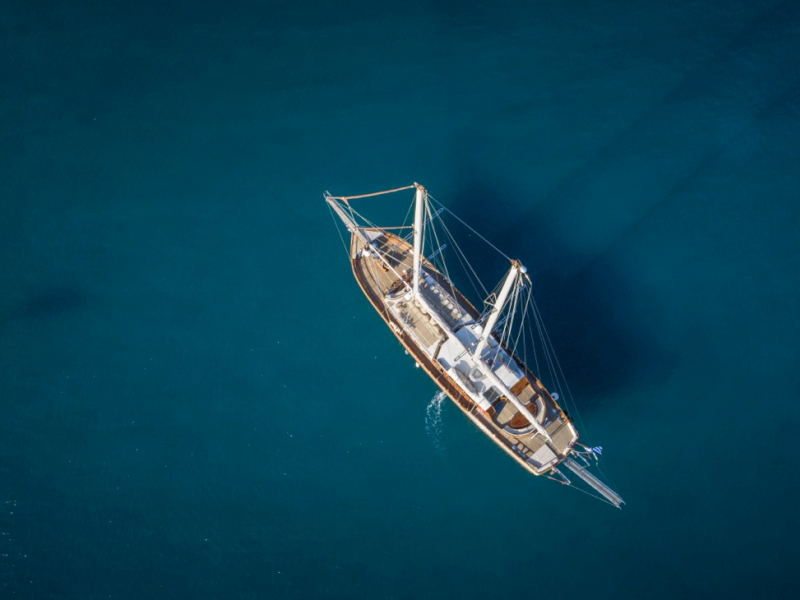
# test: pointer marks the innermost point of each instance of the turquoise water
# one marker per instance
(198, 401)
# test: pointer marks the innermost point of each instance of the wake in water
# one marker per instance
(434, 424)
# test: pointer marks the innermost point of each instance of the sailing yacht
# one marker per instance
(477, 357)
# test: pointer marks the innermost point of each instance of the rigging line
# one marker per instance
(460, 254)
(435, 258)
(509, 321)
(444, 264)
(559, 374)
(501, 337)
(354, 212)
(546, 352)
(533, 348)
(389, 265)
(428, 220)
(408, 212)
(435, 236)
(461, 257)
(606, 475)
(444, 268)
(501, 331)
(346, 198)
(470, 228)
(511, 331)
(523, 320)
(508, 332)
(597, 497)
(432, 239)
(521, 329)
(524, 339)
(566, 385)
(429, 231)
(548, 359)
(557, 383)
(490, 301)
(508, 309)
(378, 251)
(550, 355)
(522, 301)
(370, 224)
(547, 349)
(599, 464)
(433, 242)
(338, 230)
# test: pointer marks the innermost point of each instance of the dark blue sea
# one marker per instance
(197, 401)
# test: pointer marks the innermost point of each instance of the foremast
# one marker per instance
(420, 199)
(516, 269)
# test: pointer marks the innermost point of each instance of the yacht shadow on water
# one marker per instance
(594, 311)
(47, 302)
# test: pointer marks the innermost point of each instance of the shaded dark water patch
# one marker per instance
(49, 302)
(602, 346)
(747, 74)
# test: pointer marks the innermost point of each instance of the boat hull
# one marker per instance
(435, 371)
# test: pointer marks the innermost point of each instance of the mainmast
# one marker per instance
(516, 267)
(502, 298)
(419, 204)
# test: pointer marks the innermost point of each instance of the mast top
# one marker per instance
(519, 266)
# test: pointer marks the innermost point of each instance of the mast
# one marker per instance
(419, 202)
(516, 267)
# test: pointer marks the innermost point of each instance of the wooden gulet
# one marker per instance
(458, 346)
